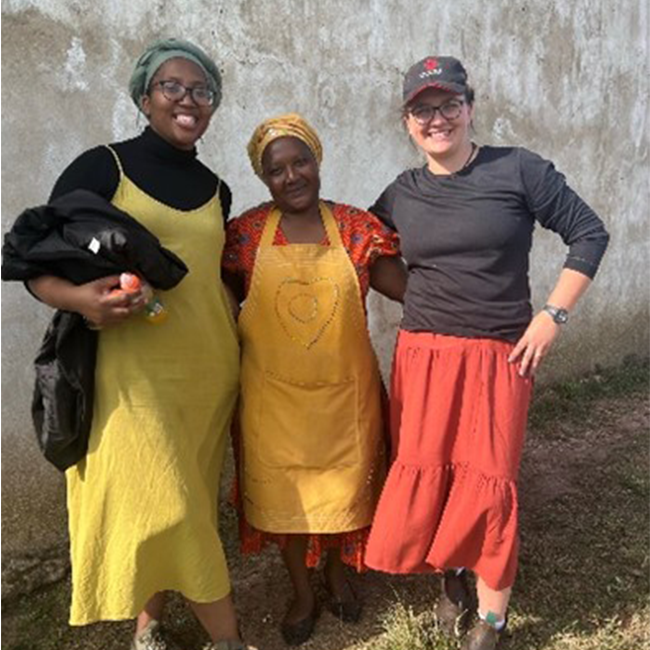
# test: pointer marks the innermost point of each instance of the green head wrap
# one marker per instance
(172, 48)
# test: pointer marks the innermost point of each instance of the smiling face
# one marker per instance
(290, 171)
(183, 122)
(444, 141)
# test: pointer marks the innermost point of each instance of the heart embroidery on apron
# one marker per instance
(305, 309)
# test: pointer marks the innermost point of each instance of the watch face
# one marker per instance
(562, 316)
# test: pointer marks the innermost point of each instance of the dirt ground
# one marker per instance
(578, 476)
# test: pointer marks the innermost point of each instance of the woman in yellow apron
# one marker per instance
(312, 452)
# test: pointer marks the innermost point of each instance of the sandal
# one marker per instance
(152, 638)
(228, 645)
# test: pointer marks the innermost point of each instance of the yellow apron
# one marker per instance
(312, 455)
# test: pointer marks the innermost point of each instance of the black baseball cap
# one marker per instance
(444, 72)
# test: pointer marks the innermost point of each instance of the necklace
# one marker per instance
(472, 151)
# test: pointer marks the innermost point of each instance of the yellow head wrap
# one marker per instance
(289, 125)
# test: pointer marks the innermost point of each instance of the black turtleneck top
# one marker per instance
(172, 176)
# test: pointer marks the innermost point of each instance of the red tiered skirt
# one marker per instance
(458, 417)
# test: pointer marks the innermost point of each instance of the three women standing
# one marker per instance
(143, 502)
(468, 344)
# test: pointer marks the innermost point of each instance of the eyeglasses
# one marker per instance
(176, 92)
(424, 113)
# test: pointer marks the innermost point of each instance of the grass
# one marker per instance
(405, 630)
(584, 565)
(571, 401)
(39, 622)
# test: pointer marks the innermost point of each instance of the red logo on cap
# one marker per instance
(431, 64)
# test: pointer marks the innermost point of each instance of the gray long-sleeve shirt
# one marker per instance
(466, 239)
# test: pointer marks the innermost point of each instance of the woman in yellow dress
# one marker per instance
(312, 451)
(143, 502)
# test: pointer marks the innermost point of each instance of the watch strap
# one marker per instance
(558, 314)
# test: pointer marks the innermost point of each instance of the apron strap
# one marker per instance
(271, 225)
(331, 229)
(329, 223)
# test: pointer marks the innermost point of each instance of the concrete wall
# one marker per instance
(567, 78)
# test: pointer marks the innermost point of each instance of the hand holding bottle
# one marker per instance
(154, 310)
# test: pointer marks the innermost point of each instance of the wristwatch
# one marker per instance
(559, 315)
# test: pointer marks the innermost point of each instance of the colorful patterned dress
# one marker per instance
(364, 239)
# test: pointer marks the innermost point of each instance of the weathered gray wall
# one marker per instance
(567, 78)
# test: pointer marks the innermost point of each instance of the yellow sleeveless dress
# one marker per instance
(143, 503)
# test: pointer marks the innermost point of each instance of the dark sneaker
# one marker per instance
(454, 605)
(482, 637)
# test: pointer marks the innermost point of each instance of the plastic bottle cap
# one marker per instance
(130, 282)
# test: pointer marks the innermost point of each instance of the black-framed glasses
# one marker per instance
(424, 113)
(176, 92)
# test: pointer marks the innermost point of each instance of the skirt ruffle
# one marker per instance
(434, 518)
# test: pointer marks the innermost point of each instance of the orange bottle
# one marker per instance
(154, 310)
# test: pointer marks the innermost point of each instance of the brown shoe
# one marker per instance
(454, 605)
(482, 637)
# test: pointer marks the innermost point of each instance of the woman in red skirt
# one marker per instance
(469, 345)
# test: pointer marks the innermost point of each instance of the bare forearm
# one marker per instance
(234, 282)
(570, 286)
(232, 301)
(55, 292)
(388, 276)
(540, 335)
(97, 301)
